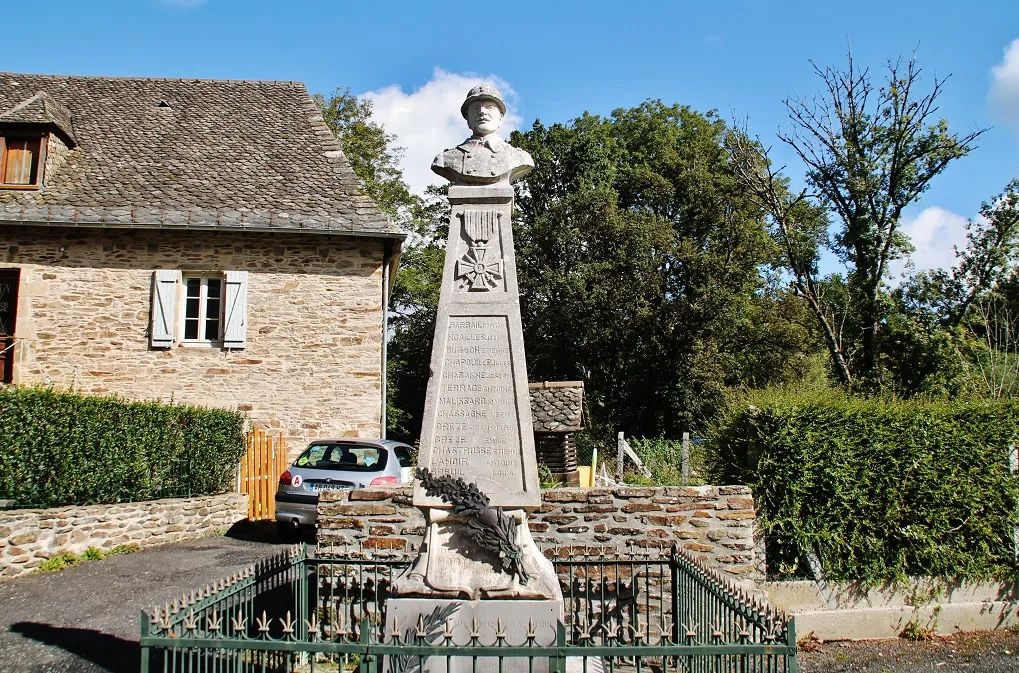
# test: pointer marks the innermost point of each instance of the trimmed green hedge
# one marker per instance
(879, 489)
(66, 449)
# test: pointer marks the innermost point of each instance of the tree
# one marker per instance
(992, 240)
(414, 304)
(640, 265)
(869, 153)
(955, 328)
(372, 153)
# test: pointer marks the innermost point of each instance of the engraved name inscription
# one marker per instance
(477, 433)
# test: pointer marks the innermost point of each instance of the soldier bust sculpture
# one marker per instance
(484, 158)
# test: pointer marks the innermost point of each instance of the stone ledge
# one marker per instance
(373, 493)
(889, 622)
(861, 613)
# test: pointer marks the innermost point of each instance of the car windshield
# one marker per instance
(347, 457)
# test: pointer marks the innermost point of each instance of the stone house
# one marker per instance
(191, 240)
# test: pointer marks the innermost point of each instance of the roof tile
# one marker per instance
(557, 406)
(223, 153)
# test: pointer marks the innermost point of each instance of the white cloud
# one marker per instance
(1004, 95)
(935, 233)
(427, 121)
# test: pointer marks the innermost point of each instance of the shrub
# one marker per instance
(879, 489)
(67, 449)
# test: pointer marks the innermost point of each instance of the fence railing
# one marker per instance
(323, 612)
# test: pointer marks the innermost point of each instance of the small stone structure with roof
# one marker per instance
(558, 412)
(195, 240)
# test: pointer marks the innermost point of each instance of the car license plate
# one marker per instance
(326, 487)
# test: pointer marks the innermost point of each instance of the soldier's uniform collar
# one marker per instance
(493, 142)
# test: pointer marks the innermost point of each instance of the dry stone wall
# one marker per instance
(311, 367)
(30, 536)
(715, 523)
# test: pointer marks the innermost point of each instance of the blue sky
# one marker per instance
(558, 59)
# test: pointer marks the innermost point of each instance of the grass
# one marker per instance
(664, 458)
(66, 559)
(546, 479)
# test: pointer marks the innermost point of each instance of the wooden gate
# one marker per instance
(261, 467)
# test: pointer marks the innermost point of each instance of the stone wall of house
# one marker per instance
(30, 536)
(312, 363)
(714, 523)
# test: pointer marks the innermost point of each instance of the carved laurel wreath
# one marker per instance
(492, 530)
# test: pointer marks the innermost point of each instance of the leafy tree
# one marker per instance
(372, 153)
(640, 264)
(960, 322)
(414, 303)
(869, 152)
(986, 263)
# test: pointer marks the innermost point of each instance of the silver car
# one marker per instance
(330, 464)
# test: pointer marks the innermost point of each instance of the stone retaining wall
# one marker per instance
(30, 536)
(856, 611)
(715, 523)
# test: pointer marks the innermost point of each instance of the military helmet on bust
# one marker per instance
(483, 92)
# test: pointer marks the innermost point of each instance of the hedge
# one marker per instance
(878, 489)
(67, 449)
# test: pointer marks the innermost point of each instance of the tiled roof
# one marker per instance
(41, 109)
(192, 153)
(557, 406)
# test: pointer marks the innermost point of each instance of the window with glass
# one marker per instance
(203, 309)
(19, 165)
(345, 457)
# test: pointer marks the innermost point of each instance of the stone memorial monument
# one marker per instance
(478, 567)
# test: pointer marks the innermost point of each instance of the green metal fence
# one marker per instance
(658, 611)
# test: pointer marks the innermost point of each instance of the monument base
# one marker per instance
(451, 565)
(511, 621)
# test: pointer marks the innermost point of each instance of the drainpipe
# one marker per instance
(387, 257)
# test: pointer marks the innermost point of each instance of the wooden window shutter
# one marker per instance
(164, 308)
(235, 312)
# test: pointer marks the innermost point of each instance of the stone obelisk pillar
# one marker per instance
(477, 418)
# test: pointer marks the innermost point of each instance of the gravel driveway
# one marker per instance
(85, 618)
(979, 652)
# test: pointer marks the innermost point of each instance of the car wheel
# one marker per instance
(289, 531)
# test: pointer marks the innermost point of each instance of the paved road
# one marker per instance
(86, 618)
(981, 652)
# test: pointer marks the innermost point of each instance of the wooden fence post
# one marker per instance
(619, 457)
(686, 458)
